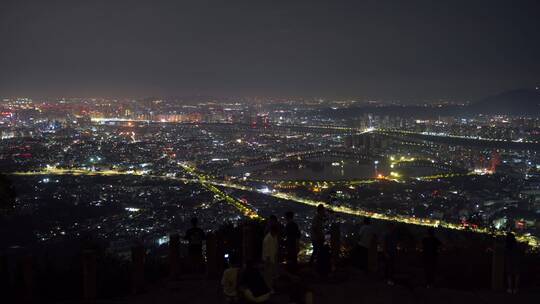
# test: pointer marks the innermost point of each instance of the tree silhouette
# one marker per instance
(7, 195)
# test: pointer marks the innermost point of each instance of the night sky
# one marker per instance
(406, 50)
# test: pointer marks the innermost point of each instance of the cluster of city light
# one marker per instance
(243, 208)
(115, 119)
(211, 184)
(52, 170)
(529, 239)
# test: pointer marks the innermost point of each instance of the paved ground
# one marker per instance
(349, 287)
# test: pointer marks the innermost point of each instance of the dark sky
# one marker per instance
(408, 50)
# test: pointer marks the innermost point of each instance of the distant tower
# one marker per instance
(495, 161)
(262, 121)
(376, 167)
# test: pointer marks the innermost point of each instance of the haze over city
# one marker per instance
(386, 50)
(269, 151)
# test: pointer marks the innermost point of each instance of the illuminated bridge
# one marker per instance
(274, 128)
(427, 164)
(304, 155)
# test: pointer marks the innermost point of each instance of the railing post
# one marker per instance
(4, 275)
(137, 268)
(220, 252)
(247, 243)
(174, 256)
(28, 277)
(211, 255)
(89, 275)
(372, 256)
(335, 242)
(497, 267)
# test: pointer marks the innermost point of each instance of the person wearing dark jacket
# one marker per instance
(512, 263)
(195, 237)
(292, 239)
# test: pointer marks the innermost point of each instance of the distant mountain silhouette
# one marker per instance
(405, 111)
(516, 102)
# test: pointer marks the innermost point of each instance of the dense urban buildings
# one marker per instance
(240, 151)
(137, 169)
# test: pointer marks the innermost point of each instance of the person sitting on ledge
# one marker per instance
(230, 279)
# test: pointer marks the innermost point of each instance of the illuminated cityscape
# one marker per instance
(230, 160)
(280, 152)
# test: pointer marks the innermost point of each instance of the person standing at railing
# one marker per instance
(390, 244)
(366, 238)
(292, 239)
(512, 263)
(317, 232)
(195, 237)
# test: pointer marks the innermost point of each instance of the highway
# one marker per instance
(244, 208)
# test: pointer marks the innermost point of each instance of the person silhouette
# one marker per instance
(512, 263)
(317, 232)
(292, 239)
(366, 238)
(390, 243)
(230, 280)
(270, 255)
(195, 237)
(430, 255)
